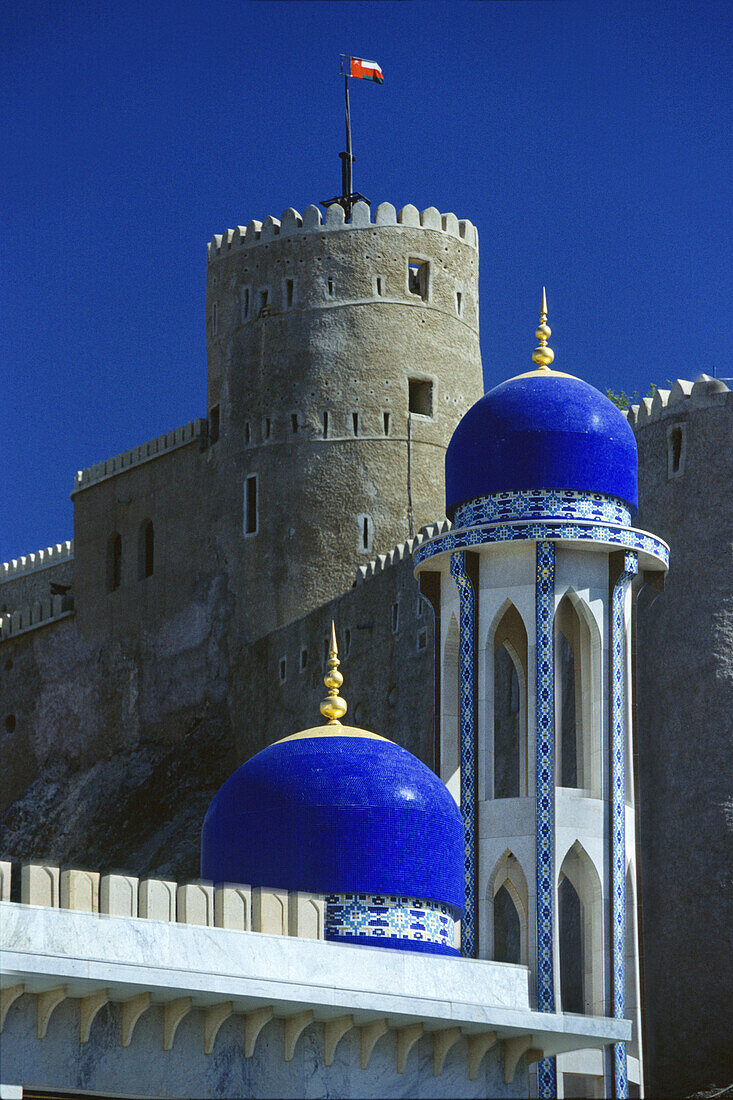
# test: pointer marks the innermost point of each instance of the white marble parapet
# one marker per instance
(84, 954)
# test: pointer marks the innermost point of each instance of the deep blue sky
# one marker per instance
(589, 142)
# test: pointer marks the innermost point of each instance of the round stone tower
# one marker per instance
(685, 733)
(341, 357)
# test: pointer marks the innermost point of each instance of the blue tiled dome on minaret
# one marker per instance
(541, 430)
(343, 812)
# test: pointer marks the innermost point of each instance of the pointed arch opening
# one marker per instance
(507, 704)
(145, 550)
(450, 755)
(114, 561)
(580, 934)
(577, 696)
(508, 900)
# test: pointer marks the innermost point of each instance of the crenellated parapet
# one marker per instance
(292, 224)
(400, 552)
(41, 559)
(34, 615)
(146, 452)
(684, 396)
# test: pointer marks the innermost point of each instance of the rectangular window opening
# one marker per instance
(365, 533)
(325, 425)
(245, 303)
(330, 285)
(289, 291)
(268, 427)
(395, 617)
(213, 424)
(294, 422)
(250, 505)
(418, 274)
(355, 422)
(303, 659)
(247, 433)
(347, 642)
(459, 303)
(380, 286)
(420, 396)
(283, 670)
(386, 423)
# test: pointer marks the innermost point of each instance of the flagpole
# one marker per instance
(348, 196)
(347, 158)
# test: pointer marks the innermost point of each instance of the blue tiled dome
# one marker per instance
(337, 810)
(542, 430)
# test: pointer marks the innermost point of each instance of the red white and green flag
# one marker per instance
(364, 70)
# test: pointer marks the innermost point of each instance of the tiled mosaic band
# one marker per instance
(618, 810)
(386, 916)
(564, 504)
(467, 695)
(627, 537)
(545, 800)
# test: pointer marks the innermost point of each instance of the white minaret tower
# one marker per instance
(532, 594)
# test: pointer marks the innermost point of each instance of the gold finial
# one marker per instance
(543, 355)
(333, 707)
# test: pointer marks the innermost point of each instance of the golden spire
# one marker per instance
(543, 355)
(333, 707)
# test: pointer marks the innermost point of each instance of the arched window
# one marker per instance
(508, 705)
(577, 691)
(450, 758)
(506, 927)
(509, 901)
(570, 921)
(145, 550)
(580, 928)
(114, 561)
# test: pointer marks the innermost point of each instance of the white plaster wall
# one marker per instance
(145, 1069)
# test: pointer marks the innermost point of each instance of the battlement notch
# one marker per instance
(292, 223)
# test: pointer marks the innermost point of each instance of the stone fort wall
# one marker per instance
(684, 703)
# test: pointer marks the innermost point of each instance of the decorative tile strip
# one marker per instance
(467, 734)
(618, 810)
(566, 504)
(545, 795)
(540, 530)
(388, 916)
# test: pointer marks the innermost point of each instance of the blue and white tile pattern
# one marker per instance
(618, 810)
(566, 504)
(545, 796)
(540, 530)
(387, 916)
(466, 710)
